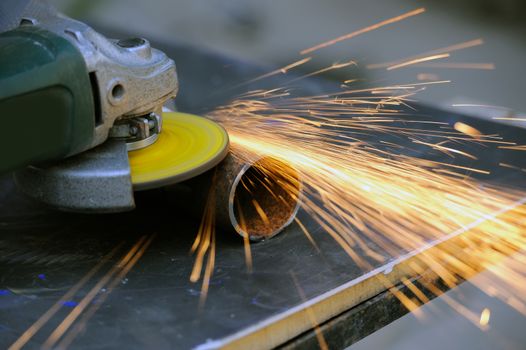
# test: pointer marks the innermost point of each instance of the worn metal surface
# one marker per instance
(44, 253)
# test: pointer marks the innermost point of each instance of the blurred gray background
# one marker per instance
(272, 32)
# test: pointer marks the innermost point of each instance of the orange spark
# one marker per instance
(418, 60)
(478, 105)
(312, 317)
(515, 119)
(467, 129)
(282, 70)
(334, 66)
(484, 317)
(514, 148)
(364, 30)
(454, 65)
(427, 77)
(448, 49)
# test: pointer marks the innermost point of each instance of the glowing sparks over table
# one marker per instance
(373, 200)
(351, 149)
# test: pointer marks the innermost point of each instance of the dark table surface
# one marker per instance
(43, 253)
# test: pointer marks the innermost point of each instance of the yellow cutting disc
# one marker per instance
(187, 146)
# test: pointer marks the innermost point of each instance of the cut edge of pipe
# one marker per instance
(284, 222)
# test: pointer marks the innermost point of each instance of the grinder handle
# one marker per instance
(46, 100)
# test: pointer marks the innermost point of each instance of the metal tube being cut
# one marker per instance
(257, 198)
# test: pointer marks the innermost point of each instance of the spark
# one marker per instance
(282, 70)
(515, 119)
(514, 148)
(307, 234)
(478, 105)
(467, 129)
(204, 237)
(261, 212)
(204, 246)
(446, 150)
(364, 30)
(459, 46)
(332, 67)
(418, 60)
(444, 50)
(484, 317)
(457, 65)
(310, 313)
(246, 239)
(427, 77)
(415, 290)
(410, 304)
(509, 166)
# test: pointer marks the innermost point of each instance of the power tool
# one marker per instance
(83, 118)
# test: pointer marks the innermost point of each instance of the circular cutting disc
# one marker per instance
(187, 146)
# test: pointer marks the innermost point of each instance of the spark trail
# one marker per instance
(373, 200)
(377, 202)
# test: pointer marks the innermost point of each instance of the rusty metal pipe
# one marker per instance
(239, 187)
